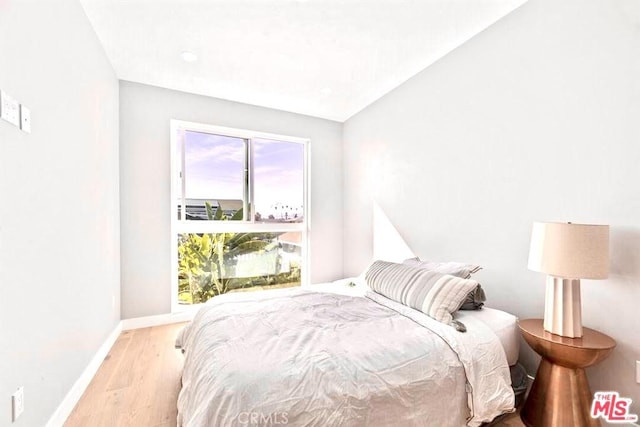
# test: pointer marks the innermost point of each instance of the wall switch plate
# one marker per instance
(17, 403)
(25, 119)
(9, 109)
(638, 371)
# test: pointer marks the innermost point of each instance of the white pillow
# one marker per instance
(453, 268)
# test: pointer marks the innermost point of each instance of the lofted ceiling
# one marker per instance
(324, 58)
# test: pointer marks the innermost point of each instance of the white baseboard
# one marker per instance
(73, 396)
(160, 319)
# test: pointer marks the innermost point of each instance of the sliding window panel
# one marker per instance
(278, 181)
(214, 175)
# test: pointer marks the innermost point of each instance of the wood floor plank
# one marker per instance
(124, 375)
(111, 363)
(171, 366)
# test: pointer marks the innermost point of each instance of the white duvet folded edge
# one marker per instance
(482, 357)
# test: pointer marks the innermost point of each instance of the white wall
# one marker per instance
(537, 118)
(59, 214)
(145, 112)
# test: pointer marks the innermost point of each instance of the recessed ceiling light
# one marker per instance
(189, 56)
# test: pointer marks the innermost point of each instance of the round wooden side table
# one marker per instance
(560, 395)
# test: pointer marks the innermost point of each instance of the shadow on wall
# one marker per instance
(625, 253)
(388, 244)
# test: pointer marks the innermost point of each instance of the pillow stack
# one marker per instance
(435, 294)
(475, 300)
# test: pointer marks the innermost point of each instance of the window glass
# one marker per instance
(278, 181)
(214, 174)
(211, 264)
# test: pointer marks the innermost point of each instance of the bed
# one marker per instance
(352, 358)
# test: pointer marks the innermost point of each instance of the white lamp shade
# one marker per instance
(577, 251)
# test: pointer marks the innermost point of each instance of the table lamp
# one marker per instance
(567, 253)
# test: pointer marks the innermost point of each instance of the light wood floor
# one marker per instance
(138, 384)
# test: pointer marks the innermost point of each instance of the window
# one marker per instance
(239, 211)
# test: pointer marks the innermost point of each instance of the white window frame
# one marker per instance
(179, 226)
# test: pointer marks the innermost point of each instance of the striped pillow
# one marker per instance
(453, 268)
(435, 294)
(476, 298)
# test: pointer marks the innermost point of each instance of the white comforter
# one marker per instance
(315, 359)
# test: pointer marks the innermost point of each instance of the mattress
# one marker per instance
(503, 324)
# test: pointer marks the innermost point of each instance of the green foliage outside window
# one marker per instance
(204, 261)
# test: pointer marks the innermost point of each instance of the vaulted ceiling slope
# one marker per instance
(324, 58)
